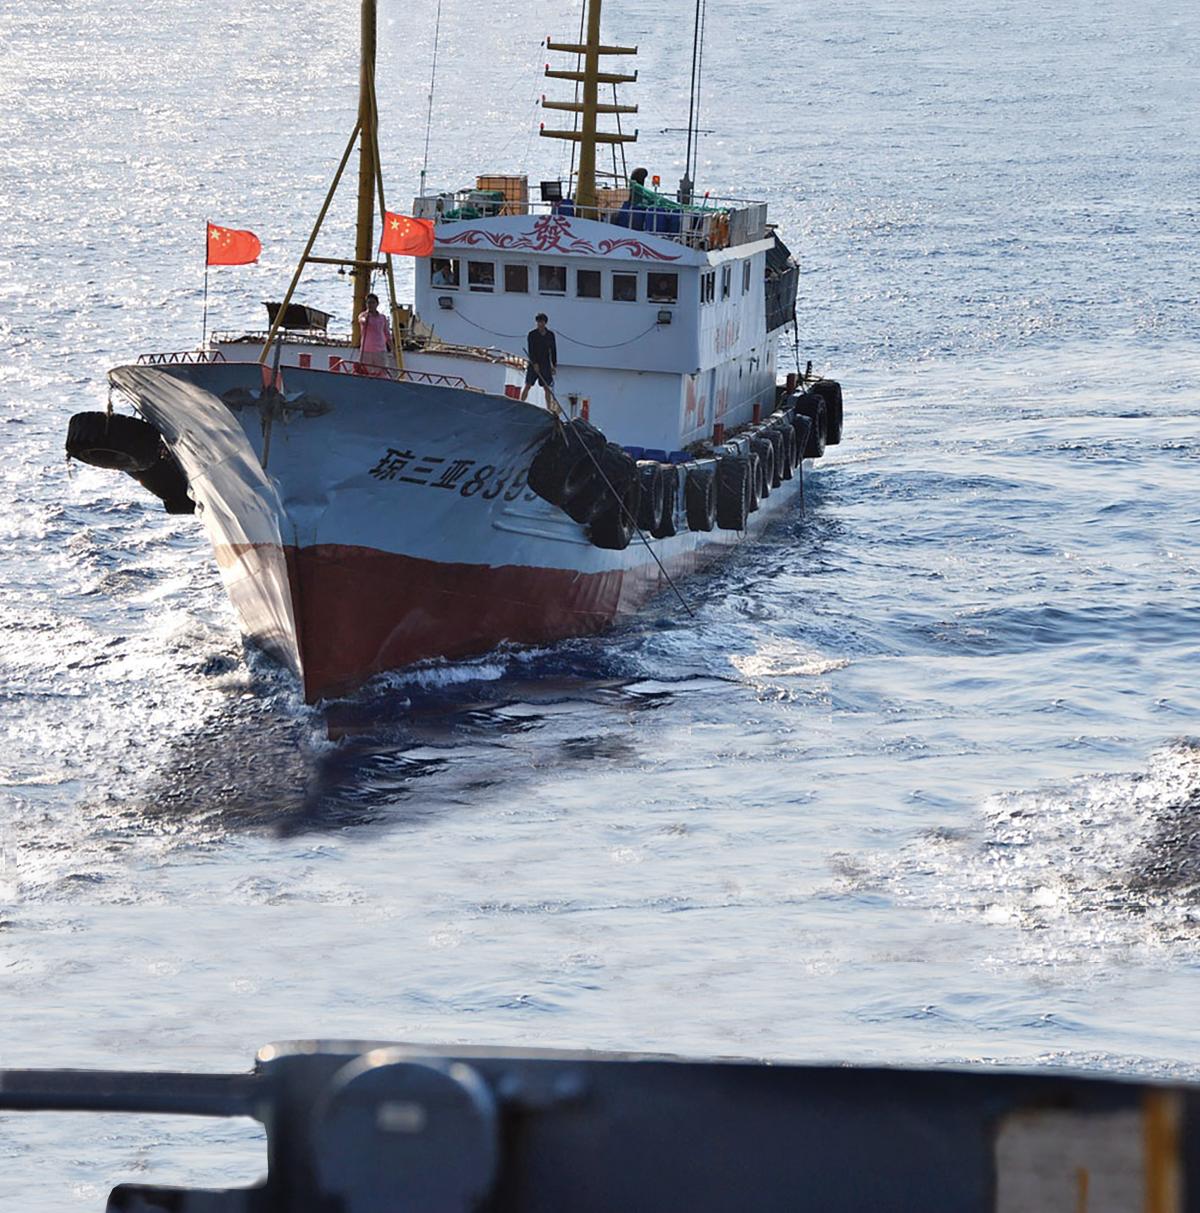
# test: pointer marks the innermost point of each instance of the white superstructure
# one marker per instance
(664, 335)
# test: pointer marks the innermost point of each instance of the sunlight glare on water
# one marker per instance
(919, 783)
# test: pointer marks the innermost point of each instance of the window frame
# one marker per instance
(455, 267)
(624, 274)
(651, 297)
(479, 287)
(511, 267)
(599, 279)
(746, 276)
(542, 290)
(726, 280)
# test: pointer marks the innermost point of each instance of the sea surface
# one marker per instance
(921, 781)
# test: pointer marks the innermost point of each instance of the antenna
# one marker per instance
(693, 131)
(437, 29)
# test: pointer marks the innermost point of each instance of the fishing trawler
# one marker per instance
(366, 517)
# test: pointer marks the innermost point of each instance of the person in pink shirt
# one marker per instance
(375, 335)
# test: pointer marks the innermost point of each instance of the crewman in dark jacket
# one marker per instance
(543, 357)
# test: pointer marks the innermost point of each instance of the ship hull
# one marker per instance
(364, 525)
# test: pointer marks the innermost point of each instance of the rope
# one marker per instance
(437, 26)
(617, 498)
(586, 344)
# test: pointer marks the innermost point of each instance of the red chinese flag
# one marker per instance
(406, 236)
(228, 246)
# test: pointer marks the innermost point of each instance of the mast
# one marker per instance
(370, 190)
(367, 125)
(588, 136)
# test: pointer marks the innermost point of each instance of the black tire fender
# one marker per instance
(562, 461)
(756, 472)
(615, 522)
(765, 451)
(665, 527)
(787, 433)
(700, 498)
(611, 529)
(775, 438)
(595, 479)
(114, 441)
(806, 404)
(801, 427)
(551, 468)
(830, 391)
(650, 501)
(167, 480)
(733, 492)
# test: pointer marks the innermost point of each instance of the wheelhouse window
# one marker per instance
(662, 288)
(708, 284)
(481, 275)
(443, 271)
(745, 277)
(552, 279)
(587, 284)
(726, 280)
(624, 288)
(516, 279)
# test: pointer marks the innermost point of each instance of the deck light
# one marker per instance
(664, 315)
(446, 303)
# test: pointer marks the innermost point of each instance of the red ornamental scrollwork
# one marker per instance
(553, 232)
(636, 248)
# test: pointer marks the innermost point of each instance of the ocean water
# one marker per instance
(921, 781)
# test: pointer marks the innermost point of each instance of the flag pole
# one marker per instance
(204, 333)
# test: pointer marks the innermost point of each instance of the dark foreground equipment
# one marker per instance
(361, 1128)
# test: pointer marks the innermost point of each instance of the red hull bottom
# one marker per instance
(359, 611)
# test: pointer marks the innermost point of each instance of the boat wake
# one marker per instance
(1087, 872)
(409, 746)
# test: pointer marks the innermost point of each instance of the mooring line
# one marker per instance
(624, 509)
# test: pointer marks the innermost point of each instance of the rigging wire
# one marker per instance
(534, 104)
(662, 568)
(558, 414)
(578, 85)
(623, 175)
(691, 155)
(437, 29)
(687, 156)
(699, 82)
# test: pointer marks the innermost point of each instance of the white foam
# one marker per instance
(1085, 870)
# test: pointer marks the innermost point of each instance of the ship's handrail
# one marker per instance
(422, 345)
(348, 366)
(284, 337)
(709, 223)
(482, 353)
(180, 357)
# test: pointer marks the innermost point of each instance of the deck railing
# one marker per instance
(707, 223)
(180, 357)
(346, 366)
(284, 337)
